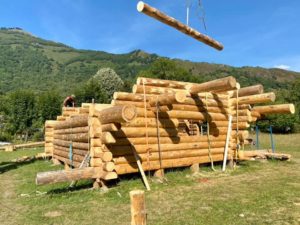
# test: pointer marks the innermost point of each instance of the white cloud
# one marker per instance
(283, 67)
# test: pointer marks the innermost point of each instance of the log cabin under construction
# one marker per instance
(161, 124)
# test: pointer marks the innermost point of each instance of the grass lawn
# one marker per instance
(254, 193)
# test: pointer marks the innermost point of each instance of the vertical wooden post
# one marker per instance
(138, 209)
(195, 168)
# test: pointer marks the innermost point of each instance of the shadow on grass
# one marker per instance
(7, 166)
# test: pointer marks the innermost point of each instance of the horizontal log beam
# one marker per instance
(160, 16)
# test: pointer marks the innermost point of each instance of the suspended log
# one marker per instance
(156, 14)
(226, 83)
(168, 163)
(68, 175)
(117, 114)
(255, 99)
(269, 109)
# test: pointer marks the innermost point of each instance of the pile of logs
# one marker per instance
(161, 124)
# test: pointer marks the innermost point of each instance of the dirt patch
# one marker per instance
(53, 214)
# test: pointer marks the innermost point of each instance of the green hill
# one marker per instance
(33, 63)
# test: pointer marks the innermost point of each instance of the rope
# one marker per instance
(158, 134)
(146, 127)
(208, 136)
(237, 126)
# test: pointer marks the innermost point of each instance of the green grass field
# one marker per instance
(254, 193)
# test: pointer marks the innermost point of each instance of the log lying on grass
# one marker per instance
(156, 14)
(73, 175)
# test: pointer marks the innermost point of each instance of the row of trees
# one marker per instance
(24, 112)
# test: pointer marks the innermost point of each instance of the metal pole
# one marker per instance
(272, 141)
(257, 136)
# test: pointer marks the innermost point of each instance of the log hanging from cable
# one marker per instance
(160, 16)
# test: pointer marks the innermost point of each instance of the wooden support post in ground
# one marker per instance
(156, 14)
(160, 173)
(138, 208)
(56, 161)
(100, 184)
(195, 168)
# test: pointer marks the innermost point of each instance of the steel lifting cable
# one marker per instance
(146, 126)
(208, 136)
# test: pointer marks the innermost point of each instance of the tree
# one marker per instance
(22, 111)
(167, 69)
(108, 80)
(49, 105)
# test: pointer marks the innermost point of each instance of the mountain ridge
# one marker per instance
(30, 62)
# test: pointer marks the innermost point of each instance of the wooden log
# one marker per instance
(176, 150)
(246, 91)
(168, 99)
(30, 145)
(168, 163)
(199, 108)
(76, 151)
(68, 175)
(155, 156)
(176, 114)
(152, 122)
(50, 123)
(72, 130)
(281, 109)
(226, 83)
(76, 121)
(62, 153)
(110, 127)
(158, 15)
(66, 160)
(117, 114)
(161, 83)
(138, 208)
(79, 137)
(78, 145)
(255, 99)
(154, 90)
(97, 152)
(166, 140)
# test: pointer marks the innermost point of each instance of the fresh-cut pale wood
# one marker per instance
(72, 130)
(76, 121)
(161, 83)
(78, 145)
(255, 99)
(246, 91)
(270, 109)
(154, 90)
(152, 122)
(199, 108)
(117, 114)
(158, 15)
(110, 127)
(168, 163)
(68, 175)
(126, 150)
(127, 159)
(226, 83)
(168, 99)
(138, 208)
(166, 140)
(78, 137)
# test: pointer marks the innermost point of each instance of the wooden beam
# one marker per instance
(281, 109)
(160, 16)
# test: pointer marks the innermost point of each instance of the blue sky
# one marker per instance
(254, 33)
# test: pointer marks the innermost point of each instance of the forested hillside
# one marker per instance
(30, 62)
